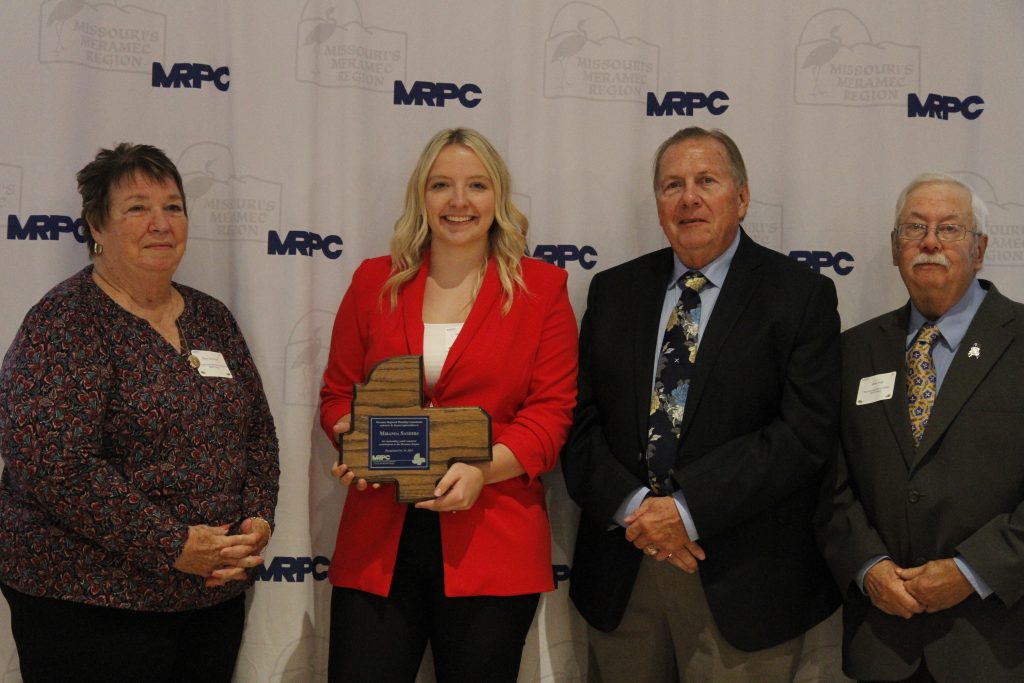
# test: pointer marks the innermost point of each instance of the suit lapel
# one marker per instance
(888, 353)
(745, 274)
(643, 306)
(989, 333)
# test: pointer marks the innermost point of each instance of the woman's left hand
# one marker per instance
(254, 537)
(458, 489)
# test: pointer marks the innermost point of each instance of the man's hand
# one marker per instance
(656, 525)
(936, 585)
(887, 591)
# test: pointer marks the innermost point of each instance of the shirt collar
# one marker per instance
(954, 323)
(715, 271)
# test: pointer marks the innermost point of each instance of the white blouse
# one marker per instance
(437, 342)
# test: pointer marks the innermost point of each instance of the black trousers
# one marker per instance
(61, 640)
(477, 638)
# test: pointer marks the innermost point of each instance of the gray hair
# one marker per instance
(979, 211)
(736, 165)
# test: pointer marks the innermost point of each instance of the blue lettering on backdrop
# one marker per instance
(683, 103)
(816, 260)
(303, 242)
(44, 227)
(435, 94)
(191, 75)
(941, 106)
(561, 254)
(296, 569)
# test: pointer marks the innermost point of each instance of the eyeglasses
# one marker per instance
(945, 232)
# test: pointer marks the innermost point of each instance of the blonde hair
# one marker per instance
(506, 237)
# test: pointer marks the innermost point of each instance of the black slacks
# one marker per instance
(477, 638)
(61, 640)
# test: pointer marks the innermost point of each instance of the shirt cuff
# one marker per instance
(864, 570)
(630, 505)
(684, 514)
(980, 587)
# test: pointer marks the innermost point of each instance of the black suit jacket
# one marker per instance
(960, 491)
(758, 431)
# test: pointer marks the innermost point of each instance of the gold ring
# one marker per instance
(651, 550)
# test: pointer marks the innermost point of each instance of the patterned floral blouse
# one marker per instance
(113, 446)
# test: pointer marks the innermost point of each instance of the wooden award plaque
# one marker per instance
(394, 439)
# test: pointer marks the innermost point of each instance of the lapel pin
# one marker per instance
(975, 351)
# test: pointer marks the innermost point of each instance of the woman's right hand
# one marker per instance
(203, 552)
(341, 470)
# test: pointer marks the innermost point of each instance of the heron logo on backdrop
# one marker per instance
(335, 49)
(763, 223)
(101, 36)
(1005, 223)
(586, 57)
(223, 205)
(838, 63)
(305, 357)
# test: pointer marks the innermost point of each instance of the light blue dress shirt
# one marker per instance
(715, 272)
(952, 328)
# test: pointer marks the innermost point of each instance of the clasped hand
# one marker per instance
(656, 524)
(904, 592)
(218, 557)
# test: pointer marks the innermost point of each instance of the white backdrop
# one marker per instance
(296, 131)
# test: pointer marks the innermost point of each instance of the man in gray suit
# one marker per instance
(926, 531)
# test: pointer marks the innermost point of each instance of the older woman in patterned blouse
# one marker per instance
(140, 458)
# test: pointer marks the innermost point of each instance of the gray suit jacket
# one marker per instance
(960, 491)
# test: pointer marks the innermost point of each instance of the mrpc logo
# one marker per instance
(840, 262)
(296, 569)
(941, 106)
(436, 94)
(303, 243)
(562, 255)
(681, 103)
(48, 227)
(191, 75)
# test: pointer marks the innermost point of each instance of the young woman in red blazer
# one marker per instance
(465, 569)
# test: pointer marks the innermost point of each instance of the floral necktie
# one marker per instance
(675, 366)
(921, 379)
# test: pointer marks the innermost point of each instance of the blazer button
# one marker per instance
(913, 496)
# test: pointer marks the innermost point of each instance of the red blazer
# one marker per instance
(520, 368)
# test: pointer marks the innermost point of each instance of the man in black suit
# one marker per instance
(926, 535)
(750, 427)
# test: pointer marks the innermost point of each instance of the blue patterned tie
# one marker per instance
(921, 379)
(675, 366)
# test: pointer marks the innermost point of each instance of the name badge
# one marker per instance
(211, 364)
(876, 388)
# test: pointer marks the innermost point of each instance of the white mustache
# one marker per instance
(935, 259)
